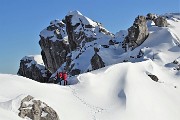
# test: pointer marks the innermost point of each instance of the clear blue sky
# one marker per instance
(22, 20)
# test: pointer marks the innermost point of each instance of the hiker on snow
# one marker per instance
(59, 77)
(64, 77)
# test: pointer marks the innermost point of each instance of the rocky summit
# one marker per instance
(64, 43)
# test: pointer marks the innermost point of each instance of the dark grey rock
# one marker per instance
(153, 77)
(53, 53)
(161, 22)
(151, 16)
(75, 72)
(111, 42)
(97, 62)
(36, 110)
(30, 69)
(177, 64)
(96, 49)
(137, 33)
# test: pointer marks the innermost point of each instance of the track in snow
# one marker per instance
(95, 110)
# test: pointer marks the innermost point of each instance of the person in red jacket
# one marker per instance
(59, 77)
(64, 77)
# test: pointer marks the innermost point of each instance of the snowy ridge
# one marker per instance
(89, 27)
(77, 17)
(13, 104)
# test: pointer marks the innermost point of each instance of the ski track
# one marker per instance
(95, 110)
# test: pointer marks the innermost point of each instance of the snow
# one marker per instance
(78, 17)
(34, 59)
(37, 59)
(122, 90)
(75, 12)
(119, 36)
(109, 93)
(150, 23)
(50, 34)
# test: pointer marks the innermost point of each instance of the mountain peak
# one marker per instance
(75, 12)
(78, 17)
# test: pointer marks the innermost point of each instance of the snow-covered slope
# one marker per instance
(119, 91)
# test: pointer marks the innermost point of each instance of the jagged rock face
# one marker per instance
(63, 43)
(161, 22)
(96, 61)
(31, 69)
(137, 33)
(81, 29)
(53, 53)
(36, 110)
(54, 45)
(151, 16)
(76, 37)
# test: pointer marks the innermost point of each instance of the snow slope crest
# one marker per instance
(13, 104)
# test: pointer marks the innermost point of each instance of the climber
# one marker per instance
(59, 77)
(64, 77)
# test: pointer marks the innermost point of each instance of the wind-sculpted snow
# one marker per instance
(120, 91)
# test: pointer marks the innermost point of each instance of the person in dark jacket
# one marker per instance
(59, 77)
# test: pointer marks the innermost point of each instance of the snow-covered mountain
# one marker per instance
(140, 84)
(69, 44)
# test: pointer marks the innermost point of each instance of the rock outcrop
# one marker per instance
(153, 77)
(53, 53)
(32, 67)
(137, 33)
(161, 22)
(96, 61)
(36, 110)
(54, 45)
(177, 64)
(151, 16)
(64, 43)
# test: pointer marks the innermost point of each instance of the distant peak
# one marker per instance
(75, 12)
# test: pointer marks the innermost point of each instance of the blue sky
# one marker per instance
(22, 20)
